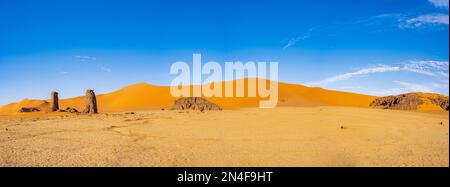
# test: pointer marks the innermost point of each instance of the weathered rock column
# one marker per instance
(55, 104)
(91, 102)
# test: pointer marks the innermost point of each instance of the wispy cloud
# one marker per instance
(105, 69)
(404, 21)
(412, 87)
(425, 20)
(84, 58)
(428, 68)
(386, 92)
(405, 87)
(439, 86)
(294, 41)
(437, 70)
(439, 3)
(443, 74)
(348, 76)
(351, 87)
(429, 19)
(93, 60)
(436, 20)
(412, 21)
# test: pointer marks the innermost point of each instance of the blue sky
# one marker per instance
(378, 47)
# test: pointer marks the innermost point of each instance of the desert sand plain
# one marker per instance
(284, 136)
(311, 127)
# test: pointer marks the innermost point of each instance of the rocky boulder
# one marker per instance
(399, 102)
(31, 109)
(441, 101)
(194, 103)
(69, 110)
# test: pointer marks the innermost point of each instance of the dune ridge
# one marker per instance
(143, 96)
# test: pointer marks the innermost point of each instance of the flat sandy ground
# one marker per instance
(285, 136)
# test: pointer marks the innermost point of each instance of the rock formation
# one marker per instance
(441, 101)
(32, 109)
(194, 103)
(400, 102)
(413, 101)
(54, 100)
(70, 110)
(90, 102)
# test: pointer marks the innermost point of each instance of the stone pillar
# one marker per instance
(54, 100)
(90, 102)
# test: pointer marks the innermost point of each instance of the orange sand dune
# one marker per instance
(144, 96)
(26, 103)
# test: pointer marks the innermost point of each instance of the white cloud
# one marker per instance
(386, 92)
(437, 69)
(425, 20)
(443, 74)
(431, 19)
(348, 76)
(439, 65)
(84, 58)
(439, 3)
(294, 41)
(405, 87)
(429, 67)
(81, 58)
(439, 86)
(105, 69)
(412, 87)
(351, 87)
(397, 17)
(405, 21)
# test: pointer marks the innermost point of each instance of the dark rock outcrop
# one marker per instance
(399, 102)
(194, 103)
(54, 101)
(441, 101)
(31, 109)
(90, 102)
(69, 110)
